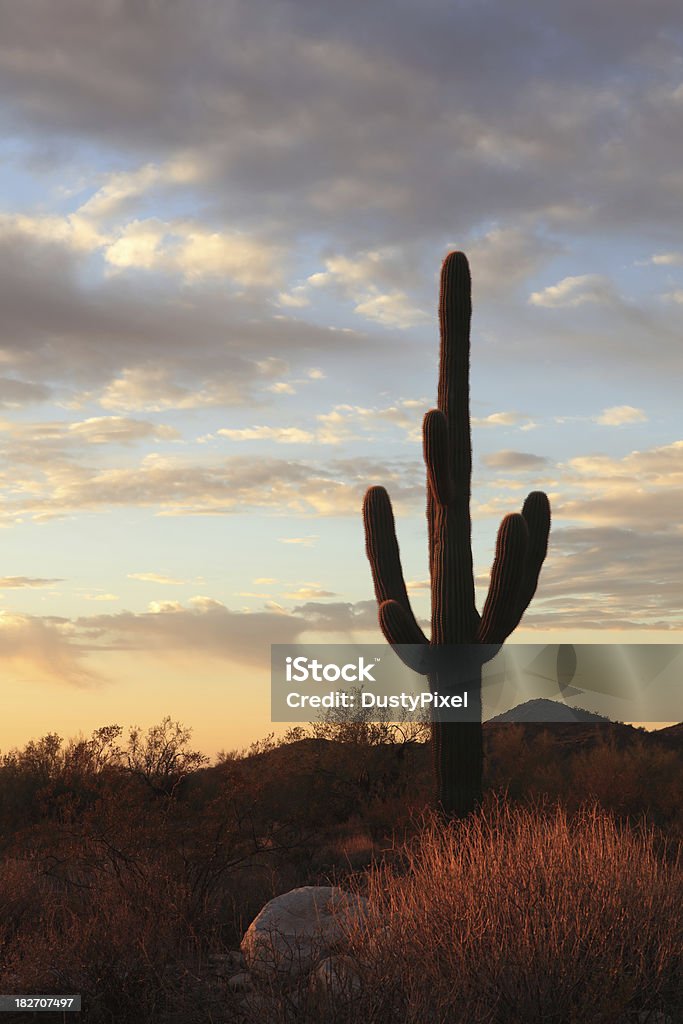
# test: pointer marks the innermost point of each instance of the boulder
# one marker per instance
(298, 929)
(336, 978)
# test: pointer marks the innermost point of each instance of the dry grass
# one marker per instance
(121, 942)
(523, 915)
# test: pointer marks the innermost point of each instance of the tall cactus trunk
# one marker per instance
(457, 745)
(520, 550)
(458, 764)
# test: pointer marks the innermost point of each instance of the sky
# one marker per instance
(221, 230)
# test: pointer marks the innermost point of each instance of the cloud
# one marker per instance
(571, 292)
(505, 257)
(75, 233)
(119, 430)
(316, 161)
(205, 627)
(178, 487)
(342, 424)
(615, 554)
(306, 542)
(181, 247)
(617, 415)
(14, 582)
(134, 346)
(138, 245)
(296, 299)
(393, 310)
(153, 390)
(508, 459)
(194, 252)
(350, 422)
(638, 491)
(661, 466)
(16, 393)
(504, 419)
(368, 279)
(363, 121)
(120, 187)
(54, 650)
(155, 577)
(621, 506)
(309, 592)
(412, 585)
(667, 259)
(34, 648)
(281, 435)
(607, 577)
(210, 628)
(339, 617)
(57, 445)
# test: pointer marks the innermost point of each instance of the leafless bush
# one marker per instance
(524, 915)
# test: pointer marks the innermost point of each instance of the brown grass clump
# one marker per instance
(524, 915)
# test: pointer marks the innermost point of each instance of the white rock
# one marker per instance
(336, 977)
(299, 928)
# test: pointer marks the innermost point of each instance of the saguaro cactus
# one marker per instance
(457, 627)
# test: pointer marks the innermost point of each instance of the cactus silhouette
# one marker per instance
(462, 640)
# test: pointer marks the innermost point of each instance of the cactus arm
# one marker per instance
(526, 567)
(400, 626)
(536, 512)
(506, 577)
(436, 455)
(398, 623)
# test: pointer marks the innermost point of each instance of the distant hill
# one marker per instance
(542, 711)
(574, 729)
(289, 772)
(671, 737)
(671, 730)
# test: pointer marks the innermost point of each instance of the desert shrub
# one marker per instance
(121, 943)
(636, 780)
(630, 774)
(523, 915)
